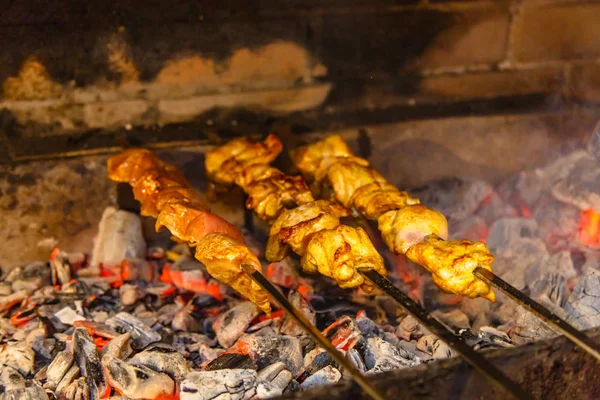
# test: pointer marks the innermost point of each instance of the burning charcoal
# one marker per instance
(529, 328)
(293, 387)
(31, 277)
(130, 294)
(18, 356)
(474, 307)
(162, 359)
(455, 318)
(410, 328)
(57, 369)
(11, 300)
(284, 273)
(506, 231)
(266, 350)
(326, 376)
(78, 389)
(456, 198)
(494, 336)
(442, 350)
(66, 380)
(68, 316)
(581, 186)
(85, 355)
(38, 342)
(366, 326)
(235, 384)
(409, 351)
(290, 327)
(343, 333)
(381, 356)
(184, 320)
(272, 380)
(133, 269)
(119, 238)
(282, 380)
(11, 379)
(316, 360)
(584, 302)
(137, 382)
(356, 360)
(231, 361)
(425, 343)
(60, 267)
(230, 325)
(271, 371)
(5, 288)
(33, 392)
(141, 334)
(118, 347)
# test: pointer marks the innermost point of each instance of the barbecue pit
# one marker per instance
(513, 165)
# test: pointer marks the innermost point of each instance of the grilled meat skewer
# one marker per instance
(165, 195)
(310, 228)
(406, 226)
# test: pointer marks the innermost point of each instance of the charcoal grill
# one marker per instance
(80, 83)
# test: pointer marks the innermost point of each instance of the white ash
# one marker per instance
(230, 325)
(326, 376)
(529, 328)
(233, 384)
(381, 356)
(119, 237)
(456, 198)
(141, 334)
(268, 349)
(455, 318)
(18, 356)
(584, 302)
(68, 316)
(34, 392)
(581, 186)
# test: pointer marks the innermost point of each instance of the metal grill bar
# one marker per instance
(366, 385)
(473, 358)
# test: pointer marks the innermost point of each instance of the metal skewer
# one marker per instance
(473, 358)
(559, 324)
(366, 385)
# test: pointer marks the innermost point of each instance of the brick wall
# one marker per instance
(238, 66)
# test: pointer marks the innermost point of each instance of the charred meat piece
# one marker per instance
(166, 195)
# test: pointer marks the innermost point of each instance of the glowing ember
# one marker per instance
(589, 225)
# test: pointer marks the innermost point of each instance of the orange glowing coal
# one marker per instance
(589, 224)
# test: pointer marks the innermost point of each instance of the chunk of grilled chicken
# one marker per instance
(223, 257)
(269, 197)
(308, 158)
(294, 228)
(165, 195)
(225, 163)
(338, 253)
(345, 176)
(452, 264)
(409, 225)
(377, 198)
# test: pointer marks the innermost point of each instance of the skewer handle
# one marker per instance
(559, 324)
(475, 359)
(366, 385)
